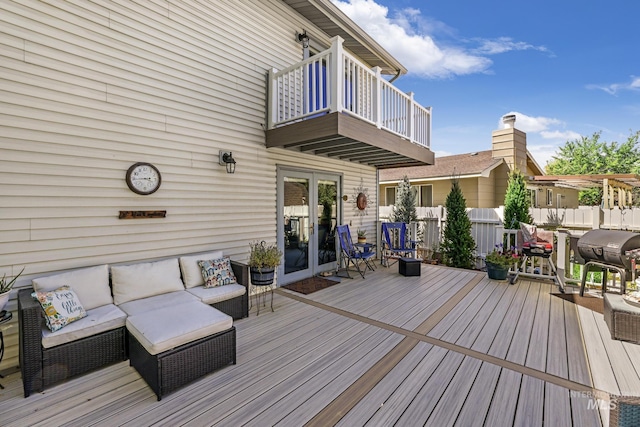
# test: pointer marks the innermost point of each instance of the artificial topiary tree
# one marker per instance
(457, 242)
(405, 208)
(516, 201)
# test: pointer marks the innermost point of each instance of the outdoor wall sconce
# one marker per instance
(226, 159)
(304, 38)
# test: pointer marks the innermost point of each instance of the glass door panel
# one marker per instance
(327, 220)
(296, 224)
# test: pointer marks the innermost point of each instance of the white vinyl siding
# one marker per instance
(88, 89)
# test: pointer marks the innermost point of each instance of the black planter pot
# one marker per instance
(262, 276)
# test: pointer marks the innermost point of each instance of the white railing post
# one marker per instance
(429, 128)
(410, 114)
(562, 258)
(337, 75)
(377, 98)
(272, 101)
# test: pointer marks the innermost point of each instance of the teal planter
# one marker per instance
(497, 272)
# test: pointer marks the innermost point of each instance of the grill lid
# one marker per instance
(608, 246)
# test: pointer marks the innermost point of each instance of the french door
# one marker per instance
(309, 208)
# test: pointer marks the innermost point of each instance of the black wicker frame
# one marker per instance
(237, 307)
(172, 369)
(42, 367)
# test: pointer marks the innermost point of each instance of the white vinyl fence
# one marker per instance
(487, 227)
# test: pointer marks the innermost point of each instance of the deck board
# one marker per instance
(477, 403)
(538, 341)
(557, 408)
(601, 372)
(530, 408)
(295, 363)
(519, 345)
(578, 364)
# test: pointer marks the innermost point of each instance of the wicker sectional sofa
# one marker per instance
(156, 314)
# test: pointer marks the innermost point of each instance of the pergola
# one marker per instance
(612, 185)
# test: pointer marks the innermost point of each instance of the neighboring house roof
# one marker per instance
(334, 22)
(463, 165)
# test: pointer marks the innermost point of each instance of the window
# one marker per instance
(390, 196)
(533, 197)
(426, 196)
(549, 197)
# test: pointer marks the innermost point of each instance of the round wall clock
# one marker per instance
(143, 178)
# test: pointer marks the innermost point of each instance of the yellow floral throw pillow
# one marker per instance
(61, 307)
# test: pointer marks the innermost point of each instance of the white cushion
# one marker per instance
(131, 282)
(90, 284)
(100, 319)
(157, 302)
(218, 293)
(191, 271)
(161, 330)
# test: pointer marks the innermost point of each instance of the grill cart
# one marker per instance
(537, 251)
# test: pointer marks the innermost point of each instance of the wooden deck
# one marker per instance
(448, 348)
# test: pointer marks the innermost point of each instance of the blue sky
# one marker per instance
(566, 68)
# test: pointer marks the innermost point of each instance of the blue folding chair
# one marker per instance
(350, 255)
(396, 243)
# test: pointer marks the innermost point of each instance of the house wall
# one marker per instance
(487, 195)
(89, 88)
(479, 192)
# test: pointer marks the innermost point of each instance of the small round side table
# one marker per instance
(5, 316)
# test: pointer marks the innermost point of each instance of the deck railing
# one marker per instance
(336, 81)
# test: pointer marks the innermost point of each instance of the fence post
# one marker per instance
(562, 260)
(598, 215)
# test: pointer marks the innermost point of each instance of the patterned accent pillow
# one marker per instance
(217, 272)
(61, 307)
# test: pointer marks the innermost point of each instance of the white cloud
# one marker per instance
(532, 124)
(567, 135)
(410, 37)
(614, 88)
(505, 44)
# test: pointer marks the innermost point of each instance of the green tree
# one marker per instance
(405, 207)
(516, 201)
(457, 242)
(589, 155)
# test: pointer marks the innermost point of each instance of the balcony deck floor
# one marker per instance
(448, 348)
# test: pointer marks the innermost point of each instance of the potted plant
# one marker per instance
(5, 288)
(263, 261)
(362, 235)
(499, 261)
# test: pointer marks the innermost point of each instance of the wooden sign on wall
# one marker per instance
(142, 214)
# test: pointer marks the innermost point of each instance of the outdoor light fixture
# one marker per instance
(304, 38)
(226, 159)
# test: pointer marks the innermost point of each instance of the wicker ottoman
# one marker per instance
(625, 411)
(622, 319)
(170, 349)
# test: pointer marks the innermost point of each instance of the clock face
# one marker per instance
(143, 178)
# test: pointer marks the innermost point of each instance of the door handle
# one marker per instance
(311, 228)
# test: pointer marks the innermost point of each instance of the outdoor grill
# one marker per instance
(611, 250)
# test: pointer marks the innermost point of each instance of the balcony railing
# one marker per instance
(335, 81)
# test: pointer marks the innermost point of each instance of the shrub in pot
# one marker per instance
(263, 261)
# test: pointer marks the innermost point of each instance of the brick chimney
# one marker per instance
(510, 144)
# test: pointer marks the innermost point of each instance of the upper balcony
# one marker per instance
(333, 105)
